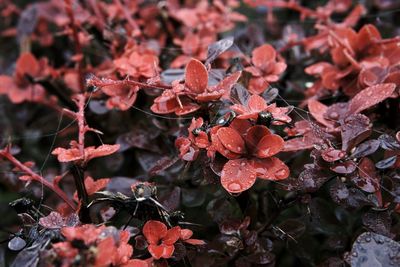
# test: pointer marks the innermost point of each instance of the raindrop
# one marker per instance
(334, 115)
(17, 243)
(234, 187)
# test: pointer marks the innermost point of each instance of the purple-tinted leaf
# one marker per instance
(162, 164)
(372, 249)
(332, 262)
(344, 167)
(98, 107)
(172, 199)
(193, 197)
(27, 21)
(388, 142)
(222, 209)
(16, 243)
(310, 180)
(239, 94)
(170, 75)
(139, 138)
(217, 48)
(386, 163)
(352, 198)
(336, 112)
(365, 149)
(270, 94)
(367, 178)
(378, 221)
(256, 259)
(355, 129)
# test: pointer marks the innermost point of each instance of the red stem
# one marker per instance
(78, 47)
(80, 116)
(108, 82)
(6, 154)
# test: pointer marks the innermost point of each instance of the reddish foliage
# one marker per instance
(122, 67)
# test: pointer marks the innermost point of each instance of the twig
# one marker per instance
(78, 47)
(5, 153)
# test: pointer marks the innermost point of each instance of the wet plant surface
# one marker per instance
(199, 133)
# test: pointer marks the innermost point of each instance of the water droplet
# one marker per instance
(334, 115)
(243, 163)
(280, 173)
(234, 187)
(354, 254)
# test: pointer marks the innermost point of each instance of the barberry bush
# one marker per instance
(199, 133)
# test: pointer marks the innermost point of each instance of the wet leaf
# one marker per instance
(348, 197)
(217, 48)
(370, 250)
(16, 243)
(378, 221)
(386, 163)
(162, 164)
(238, 175)
(346, 167)
(270, 94)
(355, 129)
(388, 142)
(367, 178)
(310, 180)
(370, 96)
(193, 197)
(365, 149)
(170, 75)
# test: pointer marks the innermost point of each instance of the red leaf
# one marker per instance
(172, 235)
(93, 186)
(186, 234)
(317, 110)
(186, 109)
(270, 169)
(52, 221)
(67, 155)
(218, 146)
(226, 84)
(254, 135)
(101, 151)
(154, 231)
(370, 97)
(331, 154)
(263, 55)
(195, 242)
(27, 64)
(164, 107)
(161, 251)
(238, 175)
(231, 139)
(196, 76)
(105, 252)
(269, 145)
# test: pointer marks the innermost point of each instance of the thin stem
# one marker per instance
(80, 116)
(108, 82)
(36, 177)
(78, 47)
